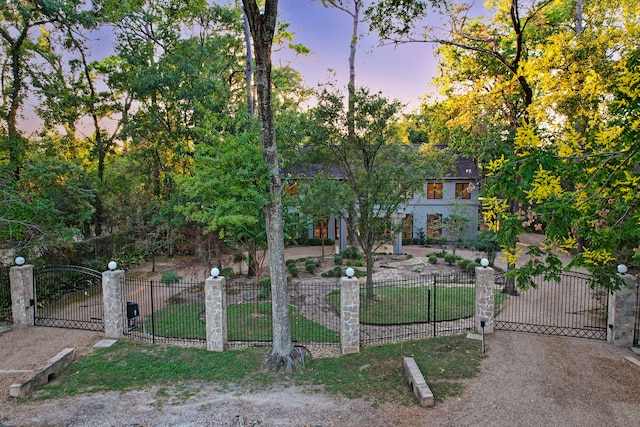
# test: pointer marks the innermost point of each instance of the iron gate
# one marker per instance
(6, 315)
(68, 296)
(569, 307)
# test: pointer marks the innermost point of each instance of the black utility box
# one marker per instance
(133, 314)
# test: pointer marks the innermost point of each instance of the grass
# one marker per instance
(183, 321)
(375, 374)
(398, 305)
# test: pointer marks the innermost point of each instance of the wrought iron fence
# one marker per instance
(416, 308)
(5, 296)
(175, 313)
(169, 313)
(313, 316)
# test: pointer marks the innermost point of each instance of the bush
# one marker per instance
(318, 242)
(433, 259)
(228, 273)
(450, 259)
(463, 263)
(337, 260)
(294, 271)
(471, 267)
(170, 277)
(311, 268)
(351, 252)
(290, 262)
(334, 272)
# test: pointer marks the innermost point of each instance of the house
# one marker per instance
(430, 214)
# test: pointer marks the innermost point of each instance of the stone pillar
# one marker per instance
(350, 315)
(485, 288)
(215, 299)
(115, 307)
(623, 307)
(22, 298)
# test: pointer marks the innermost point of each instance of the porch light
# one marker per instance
(215, 273)
(622, 269)
(484, 262)
(20, 260)
(349, 272)
(112, 265)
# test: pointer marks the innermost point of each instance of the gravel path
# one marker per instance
(526, 379)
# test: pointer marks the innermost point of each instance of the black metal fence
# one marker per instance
(175, 313)
(417, 308)
(68, 296)
(6, 315)
(169, 313)
(569, 307)
(313, 314)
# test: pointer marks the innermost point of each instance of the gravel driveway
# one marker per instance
(526, 379)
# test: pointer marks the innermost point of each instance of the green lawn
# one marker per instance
(397, 305)
(184, 321)
(376, 373)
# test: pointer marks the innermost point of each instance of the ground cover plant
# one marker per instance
(376, 373)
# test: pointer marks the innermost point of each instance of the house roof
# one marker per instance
(465, 169)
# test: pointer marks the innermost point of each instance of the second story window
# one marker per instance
(434, 190)
(463, 190)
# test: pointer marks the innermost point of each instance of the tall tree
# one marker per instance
(263, 26)
(351, 8)
(18, 19)
(380, 170)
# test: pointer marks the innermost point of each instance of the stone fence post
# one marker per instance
(623, 308)
(115, 307)
(22, 299)
(349, 315)
(485, 289)
(215, 299)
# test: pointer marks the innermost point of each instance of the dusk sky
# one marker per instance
(403, 72)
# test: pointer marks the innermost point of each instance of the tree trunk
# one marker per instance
(262, 27)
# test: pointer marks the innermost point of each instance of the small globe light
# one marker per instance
(20, 260)
(484, 262)
(349, 272)
(215, 272)
(112, 265)
(622, 269)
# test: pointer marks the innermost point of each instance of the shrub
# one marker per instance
(311, 268)
(170, 277)
(351, 252)
(290, 262)
(433, 259)
(450, 259)
(337, 260)
(294, 271)
(336, 271)
(471, 267)
(228, 273)
(318, 242)
(463, 263)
